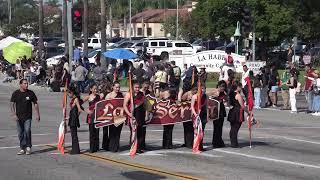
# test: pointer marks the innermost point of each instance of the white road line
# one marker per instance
(165, 152)
(40, 145)
(299, 140)
(281, 128)
(268, 159)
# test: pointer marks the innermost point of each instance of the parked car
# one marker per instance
(54, 60)
(94, 43)
(53, 51)
(55, 43)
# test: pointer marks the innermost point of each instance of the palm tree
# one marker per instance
(103, 32)
(85, 28)
(40, 43)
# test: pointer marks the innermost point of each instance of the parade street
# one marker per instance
(286, 146)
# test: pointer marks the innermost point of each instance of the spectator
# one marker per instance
(265, 86)
(138, 74)
(203, 75)
(245, 74)
(18, 69)
(310, 73)
(292, 91)
(161, 79)
(98, 72)
(273, 85)
(316, 98)
(285, 89)
(76, 54)
(257, 85)
(174, 76)
(80, 76)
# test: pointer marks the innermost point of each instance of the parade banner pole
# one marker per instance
(133, 123)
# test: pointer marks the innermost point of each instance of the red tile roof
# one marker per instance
(158, 15)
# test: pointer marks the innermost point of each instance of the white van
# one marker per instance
(162, 48)
(94, 43)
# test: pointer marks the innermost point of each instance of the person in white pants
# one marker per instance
(292, 91)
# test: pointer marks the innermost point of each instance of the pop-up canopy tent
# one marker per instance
(7, 41)
(16, 50)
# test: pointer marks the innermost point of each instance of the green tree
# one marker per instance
(275, 20)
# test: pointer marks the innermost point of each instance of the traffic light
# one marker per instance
(76, 20)
(246, 23)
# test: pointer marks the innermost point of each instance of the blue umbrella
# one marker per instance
(120, 53)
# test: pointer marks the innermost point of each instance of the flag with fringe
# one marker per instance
(62, 126)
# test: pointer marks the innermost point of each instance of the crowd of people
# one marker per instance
(167, 81)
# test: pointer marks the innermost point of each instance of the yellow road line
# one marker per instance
(136, 166)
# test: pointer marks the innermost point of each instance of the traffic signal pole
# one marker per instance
(70, 36)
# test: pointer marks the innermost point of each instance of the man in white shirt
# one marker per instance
(80, 76)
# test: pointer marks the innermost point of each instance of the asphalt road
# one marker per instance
(286, 146)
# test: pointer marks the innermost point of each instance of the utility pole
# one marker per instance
(40, 43)
(130, 15)
(85, 28)
(65, 27)
(177, 21)
(70, 35)
(254, 43)
(110, 19)
(10, 11)
(103, 32)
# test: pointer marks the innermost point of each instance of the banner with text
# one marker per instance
(110, 112)
(214, 59)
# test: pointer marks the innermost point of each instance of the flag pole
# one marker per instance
(134, 143)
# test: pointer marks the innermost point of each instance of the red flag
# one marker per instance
(197, 124)
(250, 95)
(62, 127)
(133, 122)
(250, 107)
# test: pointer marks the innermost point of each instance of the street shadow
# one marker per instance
(44, 150)
(141, 175)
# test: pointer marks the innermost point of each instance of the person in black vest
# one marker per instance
(75, 110)
(115, 130)
(221, 96)
(21, 109)
(92, 99)
(236, 113)
(139, 113)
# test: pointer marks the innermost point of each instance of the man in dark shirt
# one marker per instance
(139, 73)
(21, 109)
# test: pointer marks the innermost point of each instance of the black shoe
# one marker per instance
(183, 145)
(234, 146)
(139, 151)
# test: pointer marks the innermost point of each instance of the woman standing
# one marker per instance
(236, 114)
(92, 99)
(105, 90)
(115, 130)
(139, 114)
(202, 112)
(292, 90)
(74, 124)
(221, 96)
(170, 96)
